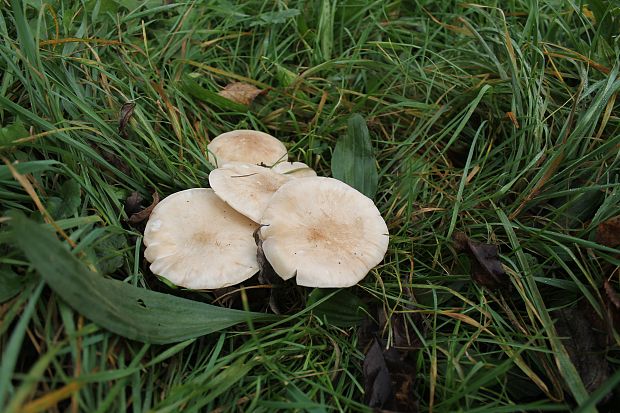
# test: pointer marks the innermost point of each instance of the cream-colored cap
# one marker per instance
(323, 231)
(247, 146)
(245, 187)
(197, 241)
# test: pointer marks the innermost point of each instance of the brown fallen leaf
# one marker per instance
(389, 375)
(585, 341)
(486, 269)
(612, 305)
(402, 375)
(377, 381)
(608, 232)
(240, 92)
(389, 379)
(124, 117)
(146, 212)
(612, 294)
(133, 203)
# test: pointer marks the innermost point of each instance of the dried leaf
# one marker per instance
(194, 89)
(486, 268)
(124, 117)
(389, 379)
(402, 375)
(133, 203)
(399, 331)
(394, 391)
(608, 232)
(240, 92)
(585, 343)
(377, 381)
(612, 306)
(146, 212)
(612, 294)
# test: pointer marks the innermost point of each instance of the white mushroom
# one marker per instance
(294, 169)
(245, 187)
(196, 241)
(324, 231)
(246, 146)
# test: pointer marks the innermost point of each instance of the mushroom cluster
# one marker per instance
(317, 229)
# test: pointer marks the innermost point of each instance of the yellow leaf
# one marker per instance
(588, 13)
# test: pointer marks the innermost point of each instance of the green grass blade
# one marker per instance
(13, 347)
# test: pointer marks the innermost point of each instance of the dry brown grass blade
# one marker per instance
(554, 163)
(172, 113)
(51, 400)
(457, 29)
(103, 42)
(571, 54)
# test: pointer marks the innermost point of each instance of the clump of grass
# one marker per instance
(499, 120)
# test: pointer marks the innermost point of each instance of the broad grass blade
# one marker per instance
(129, 311)
(353, 161)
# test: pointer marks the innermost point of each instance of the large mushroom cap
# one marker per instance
(324, 231)
(294, 169)
(247, 146)
(245, 187)
(197, 241)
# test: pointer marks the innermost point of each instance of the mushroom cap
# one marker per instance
(246, 188)
(324, 231)
(294, 169)
(248, 146)
(196, 241)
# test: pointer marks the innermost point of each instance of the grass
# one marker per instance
(498, 119)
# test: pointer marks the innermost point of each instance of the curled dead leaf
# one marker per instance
(612, 307)
(584, 339)
(133, 203)
(612, 294)
(377, 381)
(124, 117)
(240, 92)
(140, 216)
(608, 232)
(486, 269)
(389, 374)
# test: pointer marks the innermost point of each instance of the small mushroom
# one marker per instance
(247, 146)
(245, 187)
(196, 241)
(294, 169)
(324, 231)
